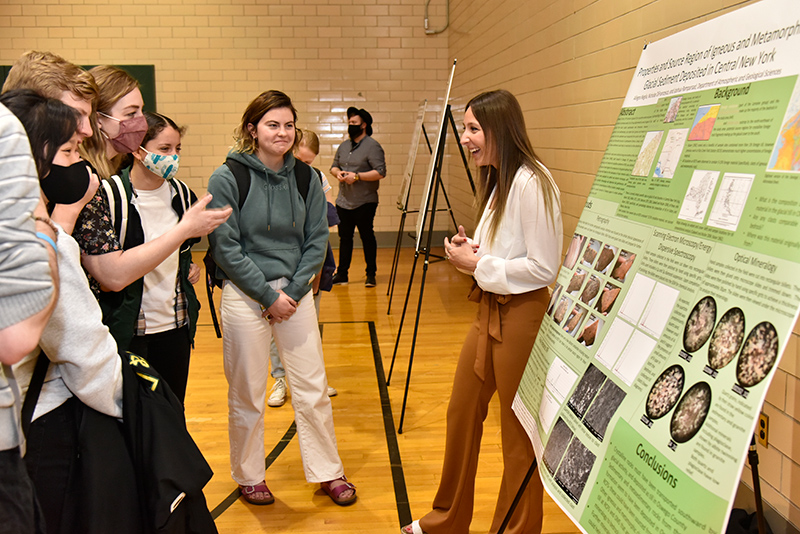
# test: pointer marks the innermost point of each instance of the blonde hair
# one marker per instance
(113, 83)
(500, 116)
(263, 103)
(50, 75)
(310, 140)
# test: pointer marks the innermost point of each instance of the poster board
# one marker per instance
(679, 291)
(423, 208)
(405, 187)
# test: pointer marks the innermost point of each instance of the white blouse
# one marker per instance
(526, 251)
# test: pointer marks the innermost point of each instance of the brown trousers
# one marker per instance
(493, 357)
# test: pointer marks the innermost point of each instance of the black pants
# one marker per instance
(168, 352)
(19, 510)
(83, 473)
(362, 218)
(51, 460)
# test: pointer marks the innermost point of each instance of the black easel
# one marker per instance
(430, 207)
(752, 457)
(398, 242)
(517, 497)
(395, 259)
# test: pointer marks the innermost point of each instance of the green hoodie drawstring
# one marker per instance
(292, 188)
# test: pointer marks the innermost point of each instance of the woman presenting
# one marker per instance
(269, 252)
(513, 257)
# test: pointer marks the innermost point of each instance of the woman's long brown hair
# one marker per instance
(500, 116)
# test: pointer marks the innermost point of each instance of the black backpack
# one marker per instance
(302, 173)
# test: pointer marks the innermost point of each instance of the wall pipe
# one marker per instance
(434, 32)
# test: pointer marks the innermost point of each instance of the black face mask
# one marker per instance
(66, 185)
(354, 130)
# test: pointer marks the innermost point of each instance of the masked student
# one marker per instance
(169, 307)
(136, 254)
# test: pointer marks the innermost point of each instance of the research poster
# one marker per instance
(405, 187)
(680, 286)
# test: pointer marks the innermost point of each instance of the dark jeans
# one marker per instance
(19, 510)
(362, 218)
(168, 352)
(51, 461)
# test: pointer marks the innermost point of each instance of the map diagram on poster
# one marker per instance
(731, 200)
(671, 153)
(786, 154)
(698, 196)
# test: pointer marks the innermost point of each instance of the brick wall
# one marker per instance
(212, 58)
(568, 61)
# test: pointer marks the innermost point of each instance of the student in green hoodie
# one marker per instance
(269, 252)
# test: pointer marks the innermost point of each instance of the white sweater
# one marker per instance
(83, 355)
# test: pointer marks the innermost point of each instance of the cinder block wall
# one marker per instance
(212, 58)
(570, 64)
(568, 61)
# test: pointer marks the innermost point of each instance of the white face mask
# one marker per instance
(160, 165)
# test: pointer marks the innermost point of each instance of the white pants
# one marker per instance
(275, 359)
(245, 344)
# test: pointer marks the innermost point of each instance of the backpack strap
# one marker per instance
(302, 173)
(211, 281)
(34, 389)
(183, 193)
(242, 176)
(181, 202)
(118, 204)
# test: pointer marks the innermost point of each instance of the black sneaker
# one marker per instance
(339, 279)
(370, 282)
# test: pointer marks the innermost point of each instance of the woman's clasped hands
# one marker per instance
(461, 252)
(281, 310)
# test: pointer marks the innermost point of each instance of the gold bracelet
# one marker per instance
(357, 178)
(48, 222)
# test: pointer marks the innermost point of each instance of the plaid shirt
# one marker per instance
(180, 306)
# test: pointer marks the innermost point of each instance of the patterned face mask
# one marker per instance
(160, 165)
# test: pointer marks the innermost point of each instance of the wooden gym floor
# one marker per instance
(396, 474)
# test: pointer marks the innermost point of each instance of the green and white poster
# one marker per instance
(680, 288)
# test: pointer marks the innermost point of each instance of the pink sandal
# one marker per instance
(249, 494)
(412, 528)
(335, 492)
